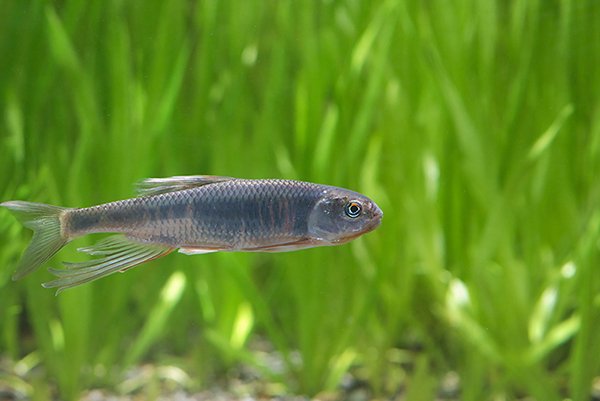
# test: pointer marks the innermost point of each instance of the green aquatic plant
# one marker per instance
(473, 124)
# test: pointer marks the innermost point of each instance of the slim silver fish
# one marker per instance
(195, 214)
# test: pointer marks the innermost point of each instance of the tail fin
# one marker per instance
(47, 239)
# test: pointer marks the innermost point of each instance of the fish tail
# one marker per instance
(48, 237)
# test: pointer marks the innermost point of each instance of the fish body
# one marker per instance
(195, 214)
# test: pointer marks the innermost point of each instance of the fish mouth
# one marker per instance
(376, 222)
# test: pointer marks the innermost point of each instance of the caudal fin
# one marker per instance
(47, 239)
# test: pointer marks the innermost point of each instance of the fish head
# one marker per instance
(341, 215)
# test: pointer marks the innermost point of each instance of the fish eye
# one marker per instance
(353, 209)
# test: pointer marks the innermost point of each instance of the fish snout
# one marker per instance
(377, 213)
(375, 216)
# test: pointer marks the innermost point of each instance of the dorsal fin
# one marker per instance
(156, 186)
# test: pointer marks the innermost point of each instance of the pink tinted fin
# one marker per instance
(287, 246)
(197, 251)
(156, 186)
(119, 253)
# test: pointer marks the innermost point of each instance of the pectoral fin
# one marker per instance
(287, 246)
(119, 253)
(156, 186)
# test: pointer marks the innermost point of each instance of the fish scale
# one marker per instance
(195, 214)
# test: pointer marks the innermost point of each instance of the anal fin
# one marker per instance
(196, 251)
(119, 253)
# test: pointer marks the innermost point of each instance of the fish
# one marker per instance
(195, 215)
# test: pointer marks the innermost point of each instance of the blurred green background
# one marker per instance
(475, 124)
